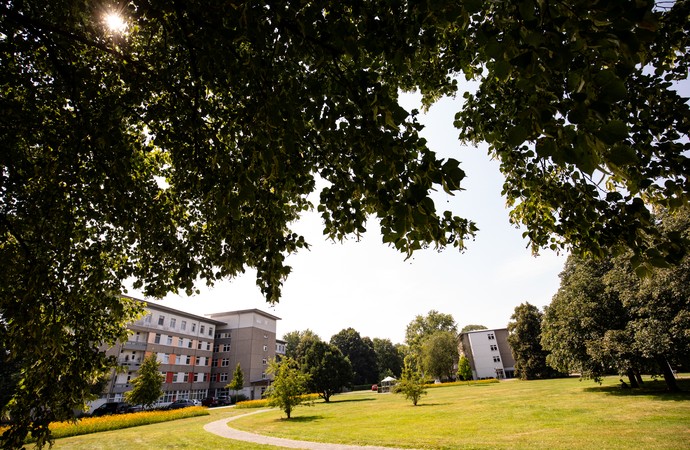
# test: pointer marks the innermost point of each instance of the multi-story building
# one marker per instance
(197, 354)
(489, 353)
(247, 338)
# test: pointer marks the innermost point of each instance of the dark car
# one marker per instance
(177, 404)
(113, 408)
(215, 401)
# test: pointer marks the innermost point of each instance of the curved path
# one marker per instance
(221, 428)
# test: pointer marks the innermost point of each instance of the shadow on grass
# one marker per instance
(656, 388)
(347, 400)
(300, 419)
(433, 404)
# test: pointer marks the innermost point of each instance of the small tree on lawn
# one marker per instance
(237, 381)
(411, 385)
(464, 369)
(288, 387)
(147, 385)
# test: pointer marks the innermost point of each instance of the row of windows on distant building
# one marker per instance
(186, 360)
(181, 342)
(183, 324)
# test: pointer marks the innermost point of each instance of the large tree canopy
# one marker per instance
(183, 147)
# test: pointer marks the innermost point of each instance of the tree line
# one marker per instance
(606, 319)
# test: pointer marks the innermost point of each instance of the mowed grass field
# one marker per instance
(547, 414)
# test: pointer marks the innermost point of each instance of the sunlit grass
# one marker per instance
(548, 414)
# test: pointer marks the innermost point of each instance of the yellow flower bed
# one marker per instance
(88, 425)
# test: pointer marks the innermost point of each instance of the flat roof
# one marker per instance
(168, 309)
(244, 311)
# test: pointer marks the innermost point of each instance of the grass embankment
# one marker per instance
(546, 414)
(553, 414)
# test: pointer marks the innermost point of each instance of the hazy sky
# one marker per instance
(371, 288)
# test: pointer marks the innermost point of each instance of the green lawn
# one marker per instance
(546, 414)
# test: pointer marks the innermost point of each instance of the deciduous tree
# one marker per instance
(288, 387)
(411, 385)
(439, 354)
(328, 369)
(147, 386)
(360, 352)
(464, 369)
(237, 382)
(525, 343)
(389, 360)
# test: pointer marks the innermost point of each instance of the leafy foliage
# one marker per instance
(464, 369)
(439, 354)
(297, 343)
(288, 386)
(360, 351)
(525, 343)
(389, 360)
(147, 386)
(424, 326)
(472, 327)
(411, 385)
(328, 370)
(237, 382)
(604, 317)
(183, 148)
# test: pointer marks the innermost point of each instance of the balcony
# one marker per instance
(134, 345)
(131, 362)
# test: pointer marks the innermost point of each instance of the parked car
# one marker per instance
(114, 408)
(216, 401)
(177, 404)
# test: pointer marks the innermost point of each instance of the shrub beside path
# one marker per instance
(221, 428)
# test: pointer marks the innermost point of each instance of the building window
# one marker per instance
(183, 325)
(169, 340)
(173, 322)
(200, 361)
(491, 336)
(148, 318)
(166, 359)
(216, 348)
(208, 346)
(226, 347)
(264, 361)
(201, 329)
(497, 359)
(161, 320)
(157, 339)
(265, 348)
(193, 327)
(223, 377)
(210, 331)
(188, 360)
(214, 362)
(225, 362)
(199, 344)
(263, 375)
(180, 342)
(494, 347)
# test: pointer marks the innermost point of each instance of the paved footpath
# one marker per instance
(221, 428)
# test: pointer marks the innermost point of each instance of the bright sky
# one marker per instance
(371, 288)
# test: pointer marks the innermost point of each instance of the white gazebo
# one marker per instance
(386, 384)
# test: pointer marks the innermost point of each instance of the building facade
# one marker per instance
(247, 338)
(197, 354)
(489, 353)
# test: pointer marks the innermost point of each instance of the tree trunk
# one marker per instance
(670, 379)
(632, 379)
(638, 377)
